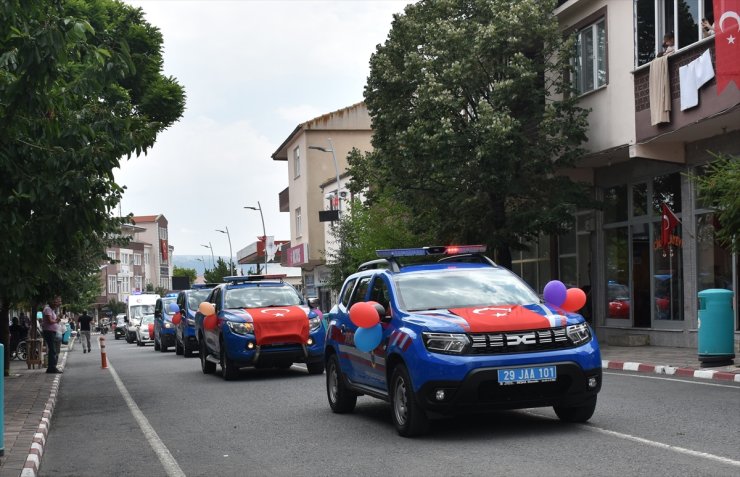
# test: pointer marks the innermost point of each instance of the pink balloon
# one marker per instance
(575, 299)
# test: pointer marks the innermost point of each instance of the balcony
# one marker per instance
(715, 114)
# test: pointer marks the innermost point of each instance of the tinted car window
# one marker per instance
(195, 298)
(380, 292)
(360, 291)
(347, 291)
(461, 289)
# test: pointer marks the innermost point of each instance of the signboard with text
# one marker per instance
(298, 255)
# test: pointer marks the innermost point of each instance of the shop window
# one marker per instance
(617, 269)
(682, 18)
(713, 262)
(667, 276)
(615, 204)
(639, 200)
(667, 189)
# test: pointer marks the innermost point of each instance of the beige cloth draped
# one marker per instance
(660, 91)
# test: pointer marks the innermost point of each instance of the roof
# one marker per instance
(281, 155)
(139, 219)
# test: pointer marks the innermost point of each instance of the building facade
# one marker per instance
(316, 151)
(158, 263)
(652, 127)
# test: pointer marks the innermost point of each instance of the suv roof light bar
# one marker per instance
(435, 250)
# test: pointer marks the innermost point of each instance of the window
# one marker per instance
(298, 231)
(125, 258)
(162, 233)
(589, 63)
(125, 284)
(360, 291)
(146, 258)
(347, 292)
(682, 18)
(112, 288)
(112, 254)
(296, 163)
(137, 259)
(137, 283)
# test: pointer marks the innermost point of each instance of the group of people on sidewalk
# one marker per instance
(52, 331)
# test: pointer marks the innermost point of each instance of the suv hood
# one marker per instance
(494, 318)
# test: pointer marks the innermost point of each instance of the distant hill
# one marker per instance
(192, 261)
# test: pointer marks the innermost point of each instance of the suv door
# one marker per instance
(216, 297)
(348, 353)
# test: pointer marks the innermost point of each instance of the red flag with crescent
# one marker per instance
(501, 318)
(727, 42)
(279, 325)
(667, 225)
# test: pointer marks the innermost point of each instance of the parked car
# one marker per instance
(258, 321)
(186, 337)
(458, 335)
(144, 333)
(164, 329)
(120, 328)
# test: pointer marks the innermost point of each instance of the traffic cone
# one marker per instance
(103, 357)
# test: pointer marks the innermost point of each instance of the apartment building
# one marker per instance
(158, 263)
(131, 271)
(316, 151)
(655, 121)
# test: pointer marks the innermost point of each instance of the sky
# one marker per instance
(252, 71)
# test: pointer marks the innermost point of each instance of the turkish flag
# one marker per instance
(727, 42)
(668, 223)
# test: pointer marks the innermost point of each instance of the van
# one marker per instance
(137, 306)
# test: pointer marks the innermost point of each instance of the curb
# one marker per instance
(33, 461)
(671, 371)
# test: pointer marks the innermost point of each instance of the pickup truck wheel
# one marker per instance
(408, 417)
(342, 400)
(205, 365)
(580, 413)
(229, 370)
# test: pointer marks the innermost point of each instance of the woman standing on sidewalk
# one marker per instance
(50, 327)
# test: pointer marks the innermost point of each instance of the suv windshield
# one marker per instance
(261, 297)
(195, 298)
(444, 289)
(166, 305)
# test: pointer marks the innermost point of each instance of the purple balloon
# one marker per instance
(555, 292)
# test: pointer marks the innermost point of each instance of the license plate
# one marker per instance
(537, 374)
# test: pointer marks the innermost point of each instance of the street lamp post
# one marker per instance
(264, 234)
(213, 259)
(231, 262)
(336, 168)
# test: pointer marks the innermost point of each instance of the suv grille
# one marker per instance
(519, 341)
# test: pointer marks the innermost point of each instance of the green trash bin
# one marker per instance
(716, 333)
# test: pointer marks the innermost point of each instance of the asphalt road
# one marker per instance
(156, 414)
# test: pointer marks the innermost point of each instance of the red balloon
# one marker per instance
(364, 315)
(575, 299)
(210, 322)
(176, 318)
(151, 329)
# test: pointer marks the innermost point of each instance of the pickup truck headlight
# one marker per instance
(241, 328)
(167, 324)
(314, 323)
(579, 334)
(452, 343)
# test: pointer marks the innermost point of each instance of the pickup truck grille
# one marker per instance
(519, 341)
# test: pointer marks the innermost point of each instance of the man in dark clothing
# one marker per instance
(84, 322)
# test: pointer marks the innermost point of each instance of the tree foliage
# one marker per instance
(719, 188)
(365, 229)
(217, 274)
(473, 119)
(185, 272)
(116, 307)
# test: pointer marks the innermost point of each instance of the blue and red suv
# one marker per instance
(258, 321)
(186, 335)
(164, 329)
(460, 334)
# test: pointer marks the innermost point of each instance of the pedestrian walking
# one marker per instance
(50, 328)
(84, 329)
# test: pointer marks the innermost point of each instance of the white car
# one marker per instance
(142, 331)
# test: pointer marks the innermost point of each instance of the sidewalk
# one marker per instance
(30, 395)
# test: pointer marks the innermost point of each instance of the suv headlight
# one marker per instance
(240, 328)
(168, 324)
(578, 334)
(314, 323)
(452, 343)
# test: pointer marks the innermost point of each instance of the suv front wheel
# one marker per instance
(341, 399)
(409, 418)
(208, 367)
(578, 413)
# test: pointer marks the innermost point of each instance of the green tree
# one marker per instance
(719, 188)
(161, 291)
(185, 272)
(116, 307)
(218, 273)
(473, 118)
(365, 229)
(74, 99)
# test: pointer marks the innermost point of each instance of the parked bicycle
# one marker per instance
(20, 352)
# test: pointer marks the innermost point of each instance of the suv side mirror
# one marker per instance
(313, 302)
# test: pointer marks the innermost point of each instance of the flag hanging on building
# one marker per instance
(727, 42)
(669, 222)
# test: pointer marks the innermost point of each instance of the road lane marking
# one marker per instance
(674, 379)
(168, 462)
(641, 440)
